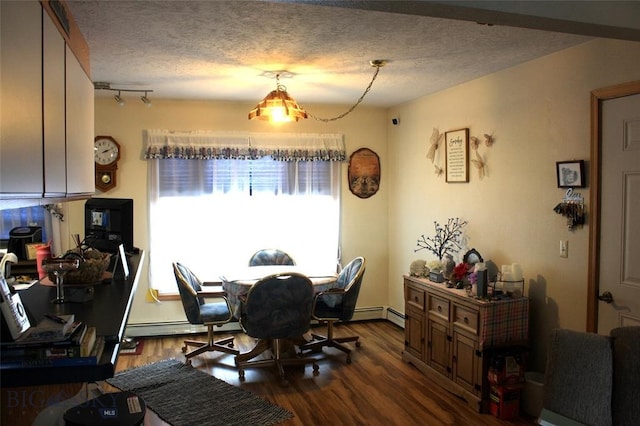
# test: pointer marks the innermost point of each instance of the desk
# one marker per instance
(108, 311)
(237, 284)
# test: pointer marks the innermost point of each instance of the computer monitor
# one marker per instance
(109, 223)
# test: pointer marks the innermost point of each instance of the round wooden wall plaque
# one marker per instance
(364, 173)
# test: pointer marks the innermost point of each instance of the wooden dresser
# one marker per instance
(451, 337)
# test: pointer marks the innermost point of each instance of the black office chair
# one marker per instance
(338, 304)
(276, 310)
(271, 257)
(199, 312)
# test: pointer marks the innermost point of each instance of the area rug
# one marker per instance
(183, 396)
(136, 350)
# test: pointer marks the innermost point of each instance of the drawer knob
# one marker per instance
(415, 299)
(466, 320)
(439, 308)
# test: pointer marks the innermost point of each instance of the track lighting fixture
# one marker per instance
(278, 106)
(118, 98)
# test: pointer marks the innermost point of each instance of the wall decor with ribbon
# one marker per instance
(572, 207)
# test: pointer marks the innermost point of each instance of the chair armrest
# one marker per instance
(333, 291)
(213, 291)
(330, 293)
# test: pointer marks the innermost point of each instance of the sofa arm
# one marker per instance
(579, 376)
(626, 375)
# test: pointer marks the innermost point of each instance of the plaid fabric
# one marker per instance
(504, 321)
(236, 289)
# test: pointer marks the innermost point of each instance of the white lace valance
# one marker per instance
(206, 145)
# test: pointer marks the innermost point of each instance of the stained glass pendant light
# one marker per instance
(279, 107)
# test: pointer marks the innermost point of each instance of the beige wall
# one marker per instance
(538, 113)
(364, 221)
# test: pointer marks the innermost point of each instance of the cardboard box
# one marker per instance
(504, 401)
(506, 370)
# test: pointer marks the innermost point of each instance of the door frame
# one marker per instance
(598, 96)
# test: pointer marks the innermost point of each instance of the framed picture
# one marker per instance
(570, 174)
(456, 152)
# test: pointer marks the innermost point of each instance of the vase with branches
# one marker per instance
(446, 240)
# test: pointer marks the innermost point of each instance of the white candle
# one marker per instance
(516, 272)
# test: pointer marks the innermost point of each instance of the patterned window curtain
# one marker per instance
(216, 198)
(207, 145)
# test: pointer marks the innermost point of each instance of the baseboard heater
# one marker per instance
(396, 317)
(183, 327)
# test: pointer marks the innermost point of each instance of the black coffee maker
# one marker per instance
(21, 236)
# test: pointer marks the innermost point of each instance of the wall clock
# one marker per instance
(106, 153)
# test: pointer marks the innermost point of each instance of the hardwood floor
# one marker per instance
(377, 388)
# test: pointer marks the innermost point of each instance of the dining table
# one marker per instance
(237, 284)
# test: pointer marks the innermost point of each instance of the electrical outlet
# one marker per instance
(564, 248)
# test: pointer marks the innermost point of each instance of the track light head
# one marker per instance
(119, 99)
(145, 100)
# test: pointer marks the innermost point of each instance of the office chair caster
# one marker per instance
(283, 381)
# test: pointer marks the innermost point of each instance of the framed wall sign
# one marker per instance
(456, 152)
(570, 174)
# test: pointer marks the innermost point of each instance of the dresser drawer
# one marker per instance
(466, 319)
(438, 307)
(415, 297)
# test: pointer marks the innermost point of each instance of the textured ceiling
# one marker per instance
(218, 50)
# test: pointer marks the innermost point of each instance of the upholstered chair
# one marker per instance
(197, 311)
(338, 304)
(276, 311)
(271, 257)
(592, 379)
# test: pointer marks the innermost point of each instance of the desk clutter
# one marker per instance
(54, 341)
(55, 369)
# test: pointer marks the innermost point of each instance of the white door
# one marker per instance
(619, 278)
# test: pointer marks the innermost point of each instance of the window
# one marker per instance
(213, 214)
(25, 216)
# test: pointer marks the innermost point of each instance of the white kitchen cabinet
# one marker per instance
(21, 153)
(79, 119)
(53, 78)
(47, 108)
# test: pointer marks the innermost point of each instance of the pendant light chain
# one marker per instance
(378, 65)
